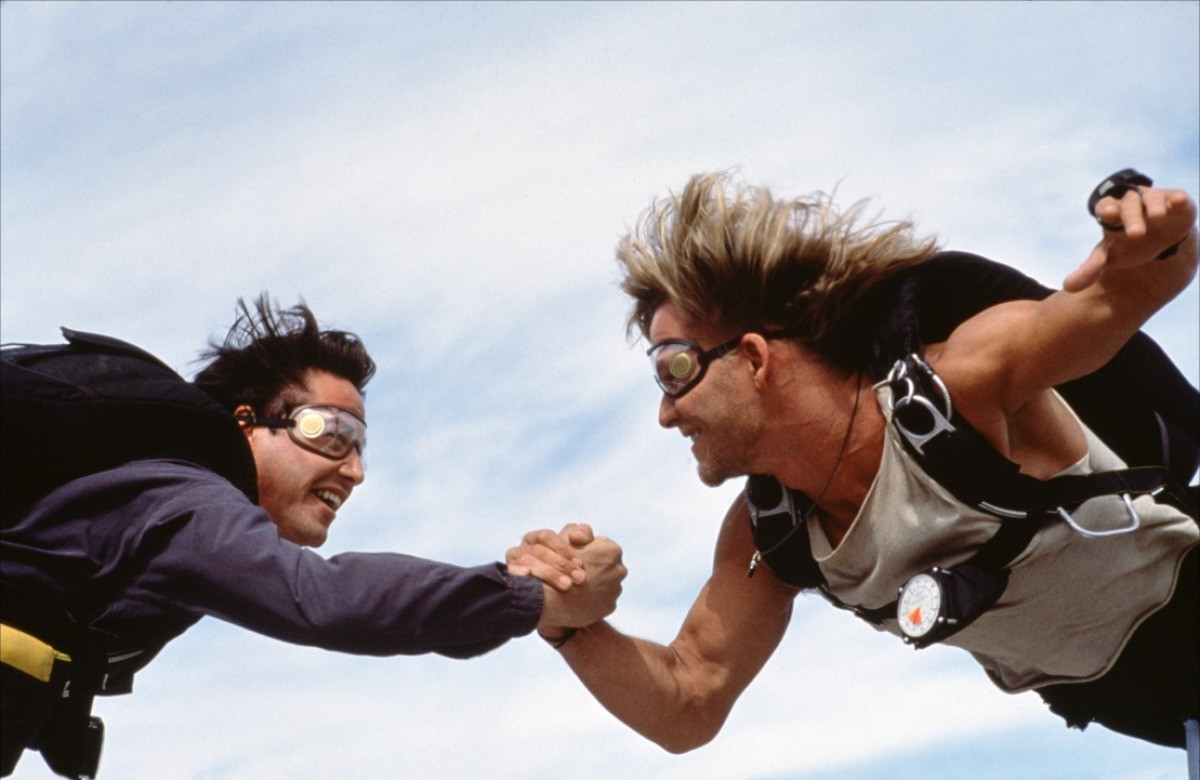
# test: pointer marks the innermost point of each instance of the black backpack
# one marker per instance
(1138, 403)
(69, 410)
(96, 402)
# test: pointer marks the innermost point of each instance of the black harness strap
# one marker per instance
(963, 462)
(945, 291)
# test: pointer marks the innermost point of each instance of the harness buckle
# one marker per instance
(1135, 522)
(939, 420)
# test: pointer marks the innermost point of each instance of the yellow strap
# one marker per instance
(28, 653)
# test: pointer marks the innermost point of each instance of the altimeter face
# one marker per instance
(919, 606)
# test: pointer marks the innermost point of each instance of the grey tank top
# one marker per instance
(1072, 602)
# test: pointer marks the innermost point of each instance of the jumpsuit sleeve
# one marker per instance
(209, 550)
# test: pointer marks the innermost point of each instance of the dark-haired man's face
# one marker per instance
(302, 490)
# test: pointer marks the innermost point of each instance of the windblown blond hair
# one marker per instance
(742, 260)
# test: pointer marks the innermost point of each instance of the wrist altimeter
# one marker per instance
(925, 608)
(939, 602)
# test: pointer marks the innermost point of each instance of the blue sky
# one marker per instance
(449, 180)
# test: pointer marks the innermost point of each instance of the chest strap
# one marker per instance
(953, 453)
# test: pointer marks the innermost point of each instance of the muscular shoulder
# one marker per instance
(985, 369)
(980, 356)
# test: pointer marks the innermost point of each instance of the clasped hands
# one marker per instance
(582, 573)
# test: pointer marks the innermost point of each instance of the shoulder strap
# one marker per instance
(1138, 403)
(777, 521)
(962, 461)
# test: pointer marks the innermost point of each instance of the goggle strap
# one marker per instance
(254, 421)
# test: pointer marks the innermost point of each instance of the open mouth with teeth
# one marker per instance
(329, 498)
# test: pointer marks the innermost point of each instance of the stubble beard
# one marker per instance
(727, 453)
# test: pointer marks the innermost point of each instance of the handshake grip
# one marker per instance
(593, 599)
(582, 575)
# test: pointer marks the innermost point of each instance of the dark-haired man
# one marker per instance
(105, 569)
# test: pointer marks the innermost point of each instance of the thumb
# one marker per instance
(578, 534)
(1089, 273)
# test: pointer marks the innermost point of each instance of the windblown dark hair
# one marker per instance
(267, 351)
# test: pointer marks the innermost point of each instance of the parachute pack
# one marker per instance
(96, 402)
(69, 410)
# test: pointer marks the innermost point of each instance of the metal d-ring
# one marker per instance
(919, 440)
(941, 420)
(1135, 521)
